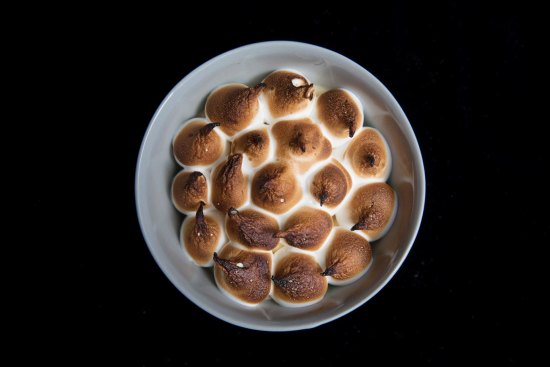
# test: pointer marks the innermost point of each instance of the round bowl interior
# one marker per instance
(156, 167)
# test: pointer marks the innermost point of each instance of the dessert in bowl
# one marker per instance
(246, 181)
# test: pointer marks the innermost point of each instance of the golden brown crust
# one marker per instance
(255, 144)
(347, 255)
(200, 237)
(244, 274)
(196, 144)
(188, 190)
(367, 154)
(283, 97)
(372, 208)
(301, 141)
(298, 279)
(252, 228)
(234, 106)
(229, 185)
(307, 228)
(274, 188)
(331, 184)
(339, 113)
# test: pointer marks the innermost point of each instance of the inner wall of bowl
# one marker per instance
(161, 222)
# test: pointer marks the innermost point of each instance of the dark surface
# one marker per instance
(460, 73)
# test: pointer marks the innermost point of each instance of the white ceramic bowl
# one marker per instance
(156, 167)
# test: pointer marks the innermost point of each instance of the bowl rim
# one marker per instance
(419, 193)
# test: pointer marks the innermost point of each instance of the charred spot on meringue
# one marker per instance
(246, 275)
(307, 228)
(339, 112)
(331, 184)
(287, 92)
(188, 190)
(275, 188)
(229, 185)
(347, 255)
(373, 207)
(298, 279)
(234, 106)
(252, 228)
(254, 144)
(200, 236)
(367, 154)
(196, 143)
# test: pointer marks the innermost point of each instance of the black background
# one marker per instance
(461, 75)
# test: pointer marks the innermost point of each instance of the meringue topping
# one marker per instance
(348, 256)
(252, 228)
(201, 236)
(275, 188)
(298, 280)
(233, 105)
(301, 141)
(189, 189)
(197, 144)
(255, 145)
(331, 184)
(244, 275)
(307, 228)
(229, 185)
(368, 154)
(371, 208)
(340, 112)
(300, 159)
(287, 93)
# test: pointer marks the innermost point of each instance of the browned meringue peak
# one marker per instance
(307, 228)
(339, 112)
(244, 275)
(275, 188)
(287, 92)
(200, 236)
(189, 189)
(255, 144)
(233, 105)
(302, 141)
(372, 207)
(229, 185)
(252, 228)
(331, 184)
(298, 280)
(347, 256)
(367, 154)
(196, 144)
